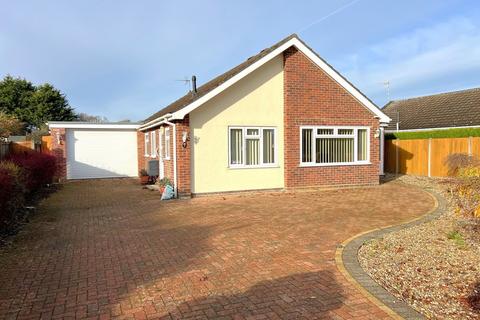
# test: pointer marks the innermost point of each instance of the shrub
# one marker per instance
(465, 188)
(460, 164)
(12, 190)
(39, 168)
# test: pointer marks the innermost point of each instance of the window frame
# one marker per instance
(335, 134)
(260, 129)
(153, 144)
(146, 142)
(167, 143)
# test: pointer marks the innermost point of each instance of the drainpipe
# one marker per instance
(382, 151)
(174, 127)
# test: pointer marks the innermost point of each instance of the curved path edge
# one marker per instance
(346, 257)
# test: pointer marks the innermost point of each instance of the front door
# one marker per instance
(160, 154)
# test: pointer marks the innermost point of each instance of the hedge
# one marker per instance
(21, 176)
(448, 133)
(39, 168)
(12, 193)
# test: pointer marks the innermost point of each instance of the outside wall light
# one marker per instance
(185, 138)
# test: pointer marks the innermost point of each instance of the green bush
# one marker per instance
(449, 133)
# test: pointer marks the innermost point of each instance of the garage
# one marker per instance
(94, 151)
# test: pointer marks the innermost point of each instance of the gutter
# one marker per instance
(155, 122)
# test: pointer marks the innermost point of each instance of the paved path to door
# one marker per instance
(108, 249)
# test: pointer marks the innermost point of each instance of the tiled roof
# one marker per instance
(451, 109)
(212, 84)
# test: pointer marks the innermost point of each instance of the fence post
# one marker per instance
(470, 146)
(396, 155)
(429, 157)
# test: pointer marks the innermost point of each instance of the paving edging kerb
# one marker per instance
(346, 258)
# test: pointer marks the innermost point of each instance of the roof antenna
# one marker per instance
(185, 81)
(386, 84)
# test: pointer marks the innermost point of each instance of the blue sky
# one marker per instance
(121, 59)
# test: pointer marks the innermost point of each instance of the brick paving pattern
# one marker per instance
(108, 249)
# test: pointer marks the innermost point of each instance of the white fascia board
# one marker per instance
(431, 129)
(311, 55)
(74, 125)
(155, 122)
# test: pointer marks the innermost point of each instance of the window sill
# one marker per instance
(253, 167)
(306, 165)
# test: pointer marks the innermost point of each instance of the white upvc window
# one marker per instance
(334, 145)
(146, 141)
(153, 144)
(167, 143)
(160, 144)
(250, 147)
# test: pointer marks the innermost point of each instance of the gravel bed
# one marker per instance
(434, 267)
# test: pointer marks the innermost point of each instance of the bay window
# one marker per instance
(252, 147)
(325, 145)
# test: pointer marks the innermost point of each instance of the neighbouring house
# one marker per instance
(282, 119)
(458, 109)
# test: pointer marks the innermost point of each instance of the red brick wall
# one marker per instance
(183, 160)
(59, 150)
(311, 97)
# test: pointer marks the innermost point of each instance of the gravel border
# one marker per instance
(349, 257)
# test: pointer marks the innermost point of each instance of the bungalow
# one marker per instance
(284, 118)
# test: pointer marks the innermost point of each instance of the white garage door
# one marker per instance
(101, 153)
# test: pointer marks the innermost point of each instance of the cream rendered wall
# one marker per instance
(256, 100)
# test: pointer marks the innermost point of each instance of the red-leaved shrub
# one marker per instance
(12, 191)
(39, 168)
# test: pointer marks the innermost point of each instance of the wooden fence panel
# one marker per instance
(4, 149)
(21, 147)
(413, 157)
(476, 147)
(441, 149)
(46, 144)
(390, 156)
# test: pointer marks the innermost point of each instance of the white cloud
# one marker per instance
(416, 58)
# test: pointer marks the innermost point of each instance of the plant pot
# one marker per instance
(144, 180)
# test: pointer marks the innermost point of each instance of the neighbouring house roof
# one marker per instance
(444, 110)
(190, 101)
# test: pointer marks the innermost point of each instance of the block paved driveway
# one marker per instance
(108, 249)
